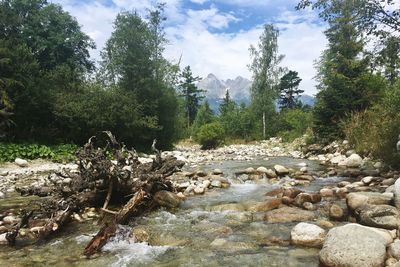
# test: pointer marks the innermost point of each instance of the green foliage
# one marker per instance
(289, 90)
(296, 122)
(9, 152)
(204, 116)
(264, 66)
(376, 130)
(191, 94)
(345, 83)
(210, 135)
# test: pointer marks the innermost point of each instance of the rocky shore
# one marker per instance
(353, 222)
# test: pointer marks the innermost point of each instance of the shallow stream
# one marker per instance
(196, 234)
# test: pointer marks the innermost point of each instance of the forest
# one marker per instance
(54, 96)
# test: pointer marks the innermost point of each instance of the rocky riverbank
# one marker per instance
(353, 220)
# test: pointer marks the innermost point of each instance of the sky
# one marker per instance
(215, 36)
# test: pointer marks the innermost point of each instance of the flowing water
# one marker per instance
(193, 235)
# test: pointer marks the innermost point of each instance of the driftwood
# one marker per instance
(101, 181)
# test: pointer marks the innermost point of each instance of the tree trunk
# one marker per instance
(264, 126)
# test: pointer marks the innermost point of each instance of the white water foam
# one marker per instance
(127, 252)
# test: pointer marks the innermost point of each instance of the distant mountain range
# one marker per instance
(239, 90)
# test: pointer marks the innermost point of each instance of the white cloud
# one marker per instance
(189, 32)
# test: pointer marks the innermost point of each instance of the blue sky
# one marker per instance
(214, 36)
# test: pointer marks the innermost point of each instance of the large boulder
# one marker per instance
(281, 170)
(289, 214)
(353, 245)
(167, 199)
(354, 161)
(307, 234)
(381, 216)
(359, 199)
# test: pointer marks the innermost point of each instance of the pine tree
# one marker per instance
(289, 90)
(227, 104)
(191, 94)
(343, 72)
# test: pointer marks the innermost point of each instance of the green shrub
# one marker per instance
(295, 123)
(375, 131)
(9, 152)
(210, 135)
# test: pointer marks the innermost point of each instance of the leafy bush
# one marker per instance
(9, 152)
(210, 135)
(375, 131)
(295, 123)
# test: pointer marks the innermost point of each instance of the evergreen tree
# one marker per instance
(289, 90)
(191, 94)
(265, 60)
(227, 105)
(388, 58)
(343, 74)
(204, 116)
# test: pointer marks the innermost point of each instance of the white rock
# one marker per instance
(2, 195)
(354, 161)
(303, 169)
(199, 190)
(21, 162)
(217, 172)
(353, 245)
(302, 164)
(206, 183)
(378, 165)
(306, 234)
(394, 249)
(367, 180)
(262, 170)
(281, 170)
(10, 219)
(216, 183)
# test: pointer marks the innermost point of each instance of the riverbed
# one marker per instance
(201, 232)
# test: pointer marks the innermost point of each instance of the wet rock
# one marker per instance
(267, 205)
(353, 245)
(287, 200)
(291, 192)
(381, 216)
(289, 214)
(301, 198)
(228, 207)
(354, 161)
(139, 235)
(167, 199)
(304, 169)
(336, 212)
(220, 243)
(326, 192)
(189, 189)
(388, 182)
(217, 172)
(21, 162)
(277, 192)
(304, 177)
(271, 173)
(394, 250)
(359, 199)
(281, 170)
(325, 224)
(307, 234)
